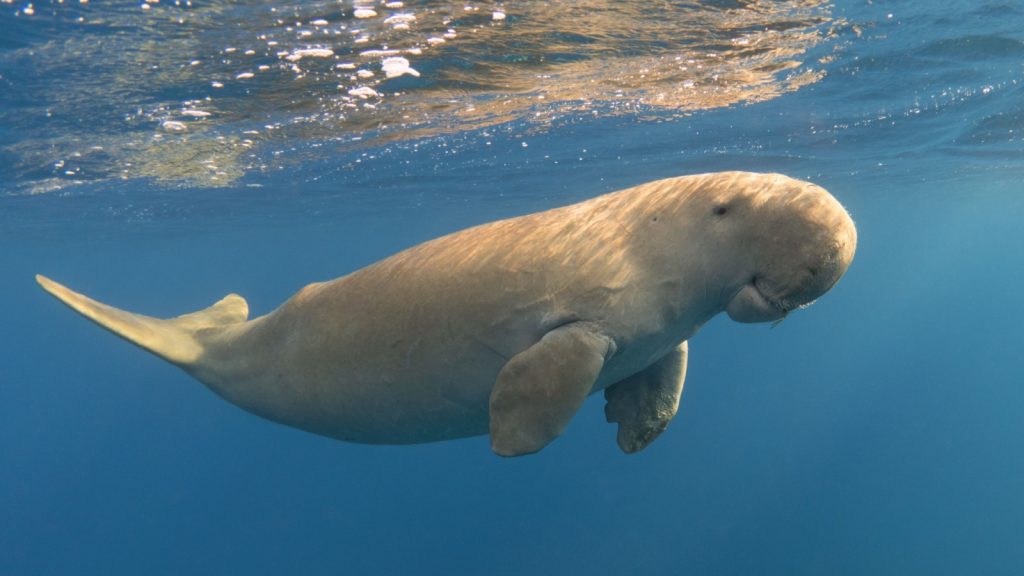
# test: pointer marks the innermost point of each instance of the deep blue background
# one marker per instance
(878, 432)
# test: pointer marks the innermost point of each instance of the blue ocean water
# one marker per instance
(878, 432)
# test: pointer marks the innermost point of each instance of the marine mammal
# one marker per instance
(505, 328)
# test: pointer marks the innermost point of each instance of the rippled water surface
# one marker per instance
(161, 154)
(207, 93)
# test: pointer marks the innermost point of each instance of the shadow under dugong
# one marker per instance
(507, 327)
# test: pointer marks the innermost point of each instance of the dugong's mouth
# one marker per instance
(780, 304)
(755, 302)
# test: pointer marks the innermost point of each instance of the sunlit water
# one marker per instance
(878, 432)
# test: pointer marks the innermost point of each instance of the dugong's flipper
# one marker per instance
(644, 403)
(541, 388)
(177, 340)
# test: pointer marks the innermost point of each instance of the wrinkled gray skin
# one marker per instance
(507, 327)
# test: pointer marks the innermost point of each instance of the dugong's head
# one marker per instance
(787, 242)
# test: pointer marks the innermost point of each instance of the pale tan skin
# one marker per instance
(507, 327)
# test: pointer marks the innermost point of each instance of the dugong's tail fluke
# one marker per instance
(174, 339)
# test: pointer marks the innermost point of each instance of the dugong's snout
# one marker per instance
(808, 244)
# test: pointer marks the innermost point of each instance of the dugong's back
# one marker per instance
(408, 349)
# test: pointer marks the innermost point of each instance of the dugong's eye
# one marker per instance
(720, 210)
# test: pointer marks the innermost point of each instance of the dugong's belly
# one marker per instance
(420, 378)
(408, 394)
(421, 388)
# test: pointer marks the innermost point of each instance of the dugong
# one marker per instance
(506, 328)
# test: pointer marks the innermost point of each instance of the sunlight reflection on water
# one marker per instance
(204, 94)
